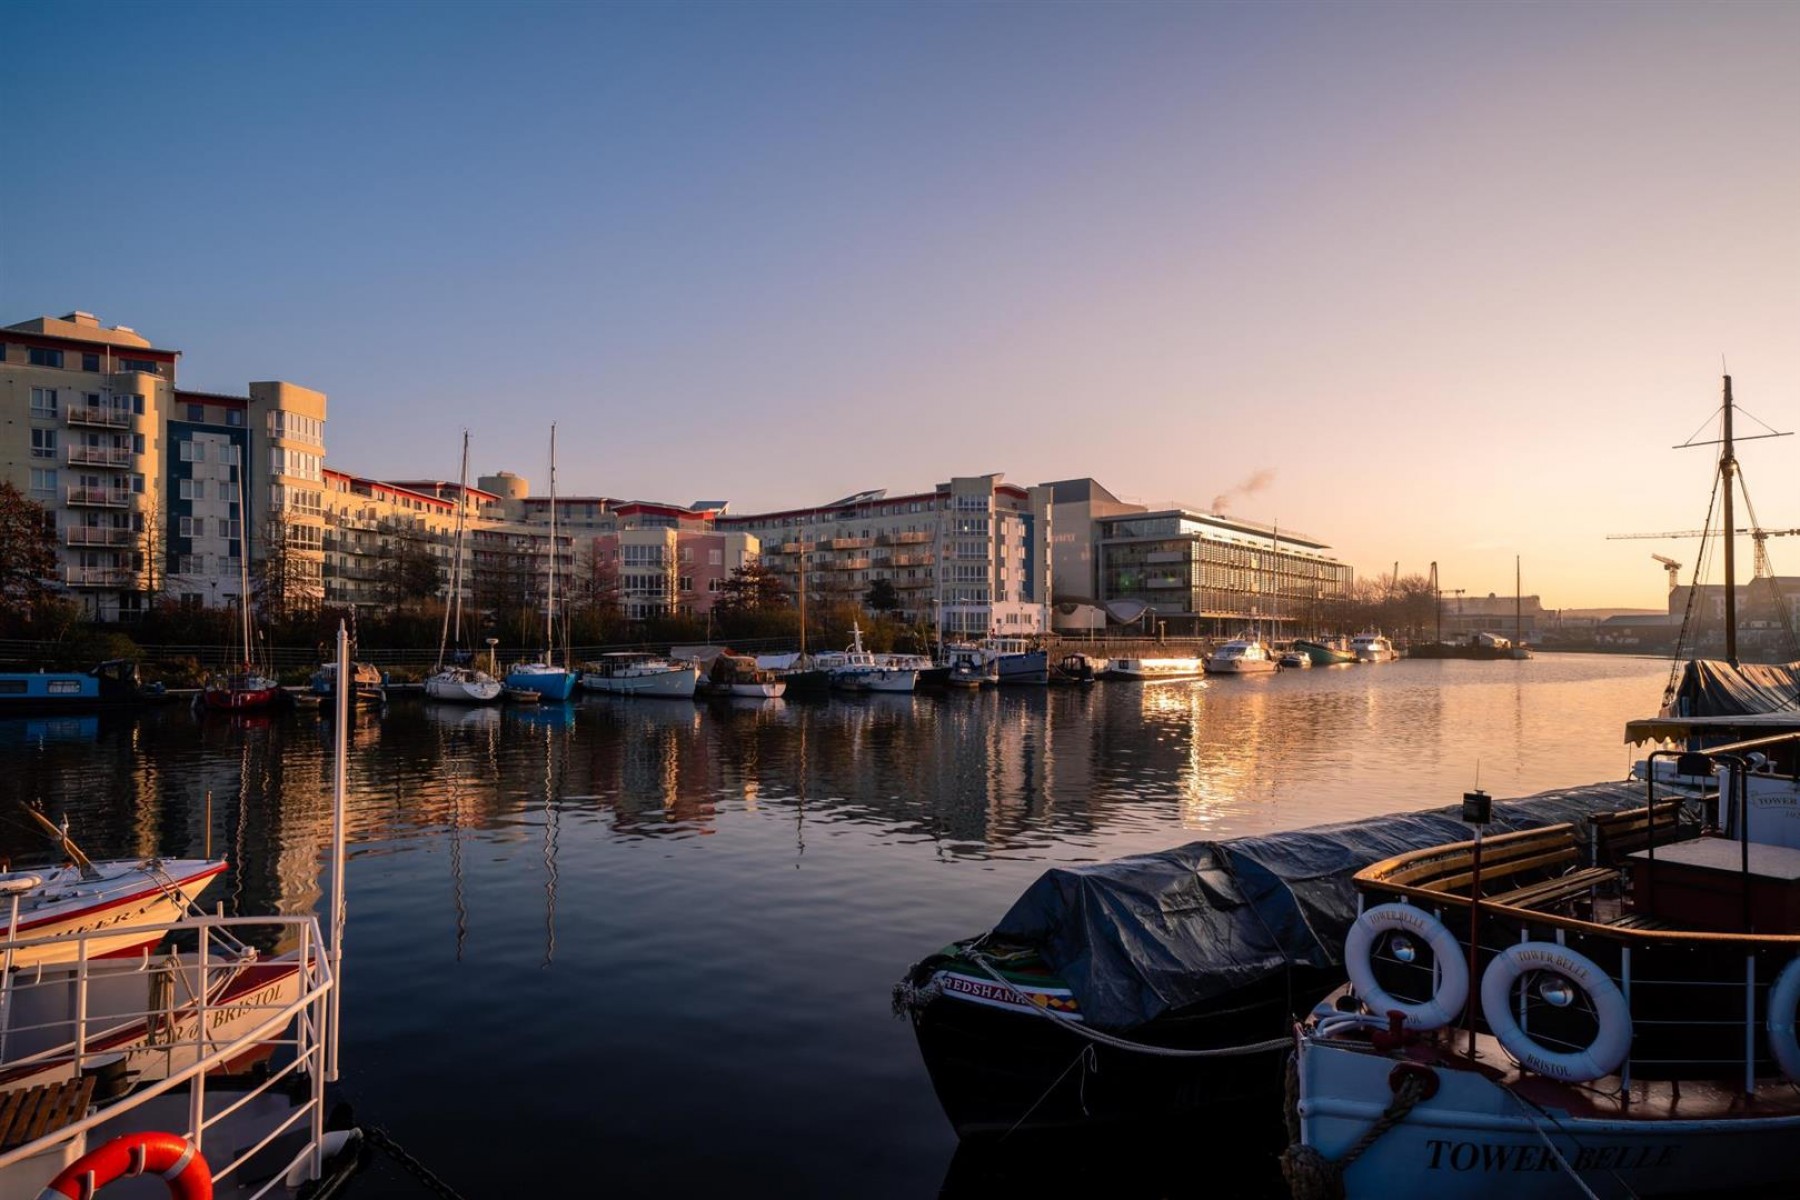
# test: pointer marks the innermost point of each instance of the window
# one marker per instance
(139, 364)
(234, 416)
(196, 413)
(43, 402)
(46, 358)
(90, 362)
(192, 452)
(193, 527)
(43, 443)
(64, 687)
(715, 558)
(193, 489)
(687, 583)
(43, 481)
(137, 484)
(137, 443)
(137, 404)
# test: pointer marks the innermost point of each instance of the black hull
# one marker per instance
(999, 1070)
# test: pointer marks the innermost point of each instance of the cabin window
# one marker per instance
(12, 687)
(65, 687)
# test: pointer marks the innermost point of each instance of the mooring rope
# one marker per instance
(1312, 1176)
(1119, 1043)
(376, 1136)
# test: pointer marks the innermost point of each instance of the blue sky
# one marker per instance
(1447, 281)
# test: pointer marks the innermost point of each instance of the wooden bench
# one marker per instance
(1617, 834)
(30, 1113)
(1553, 852)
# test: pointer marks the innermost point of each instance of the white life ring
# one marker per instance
(1610, 1045)
(1784, 997)
(1452, 992)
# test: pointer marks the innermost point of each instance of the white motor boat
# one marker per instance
(633, 673)
(122, 904)
(860, 671)
(1242, 656)
(1371, 646)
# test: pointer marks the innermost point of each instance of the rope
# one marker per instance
(1119, 1043)
(377, 1137)
(1084, 1058)
(1312, 1176)
(1550, 1146)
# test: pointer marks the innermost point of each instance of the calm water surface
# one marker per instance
(645, 947)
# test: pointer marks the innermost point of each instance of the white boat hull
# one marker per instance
(875, 679)
(677, 684)
(462, 691)
(113, 908)
(755, 691)
(1474, 1140)
(1242, 666)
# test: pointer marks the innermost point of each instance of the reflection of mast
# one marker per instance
(800, 798)
(552, 822)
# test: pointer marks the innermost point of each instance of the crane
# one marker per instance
(1761, 568)
(1672, 567)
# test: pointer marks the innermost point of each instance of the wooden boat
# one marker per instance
(1327, 651)
(738, 675)
(366, 683)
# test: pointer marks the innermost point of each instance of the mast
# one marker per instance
(1728, 472)
(243, 556)
(454, 600)
(802, 661)
(550, 601)
(1518, 605)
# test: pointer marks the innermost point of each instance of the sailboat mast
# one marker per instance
(1518, 605)
(243, 556)
(1728, 472)
(453, 602)
(550, 601)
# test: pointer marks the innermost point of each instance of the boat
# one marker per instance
(1615, 1005)
(1372, 646)
(635, 673)
(1155, 669)
(1078, 669)
(969, 666)
(1242, 656)
(207, 1066)
(738, 675)
(118, 902)
(1518, 649)
(544, 676)
(451, 681)
(1327, 651)
(857, 670)
(113, 682)
(245, 687)
(367, 685)
(926, 672)
(1014, 661)
(1295, 658)
(520, 695)
(1162, 987)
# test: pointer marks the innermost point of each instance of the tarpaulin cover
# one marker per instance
(1139, 937)
(1710, 688)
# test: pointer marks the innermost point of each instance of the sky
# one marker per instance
(1427, 282)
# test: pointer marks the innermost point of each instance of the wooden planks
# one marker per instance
(29, 1114)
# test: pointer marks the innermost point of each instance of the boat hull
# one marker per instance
(999, 1066)
(220, 699)
(1324, 656)
(122, 906)
(667, 685)
(1473, 1140)
(1028, 669)
(551, 685)
(459, 688)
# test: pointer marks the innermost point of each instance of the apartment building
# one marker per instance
(142, 479)
(972, 555)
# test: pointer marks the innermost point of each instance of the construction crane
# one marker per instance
(1672, 567)
(1761, 568)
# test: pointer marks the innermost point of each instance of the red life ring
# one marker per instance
(170, 1155)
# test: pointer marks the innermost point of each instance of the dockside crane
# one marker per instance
(1760, 568)
(1672, 567)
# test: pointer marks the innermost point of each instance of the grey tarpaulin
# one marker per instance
(1142, 936)
(1709, 688)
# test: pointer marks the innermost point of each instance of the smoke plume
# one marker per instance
(1256, 483)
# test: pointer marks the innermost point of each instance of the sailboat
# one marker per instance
(244, 687)
(459, 684)
(545, 677)
(1518, 649)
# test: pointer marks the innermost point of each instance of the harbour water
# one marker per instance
(636, 947)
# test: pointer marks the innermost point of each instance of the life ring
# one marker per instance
(1610, 1045)
(170, 1155)
(1784, 997)
(1452, 992)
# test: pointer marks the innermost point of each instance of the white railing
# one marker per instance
(99, 414)
(182, 1036)
(97, 577)
(108, 497)
(99, 456)
(98, 535)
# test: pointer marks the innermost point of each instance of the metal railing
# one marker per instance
(98, 535)
(97, 577)
(196, 1021)
(99, 456)
(105, 497)
(100, 415)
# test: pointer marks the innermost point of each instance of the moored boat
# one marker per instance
(634, 673)
(738, 675)
(366, 683)
(1327, 651)
(112, 682)
(1153, 669)
(1372, 646)
(1296, 659)
(1242, 656)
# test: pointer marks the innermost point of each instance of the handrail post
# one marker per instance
(81, 991)
(1750, 1024)
(197, 1095)
(1625, 988)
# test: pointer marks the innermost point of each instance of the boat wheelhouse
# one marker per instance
(1372, 646)
(1242, 656)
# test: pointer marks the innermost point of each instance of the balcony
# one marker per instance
(98, 535)
(116, 457)
(849, 543)
(98, 497)
(99, 416)
(850, 564)
(98, 577)
(912, 538)
(910, 560)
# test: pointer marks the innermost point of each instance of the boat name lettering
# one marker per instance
(117, 917)
(262, 999)
(1502, 1156)
(983, 990)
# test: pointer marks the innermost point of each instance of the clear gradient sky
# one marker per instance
(1447, 280)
